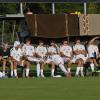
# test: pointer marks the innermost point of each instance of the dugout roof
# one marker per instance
(47, 1)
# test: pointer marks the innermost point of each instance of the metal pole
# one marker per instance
(85, 8)
(13, 31)
(3, 22)
(21, 7)
(53, 8)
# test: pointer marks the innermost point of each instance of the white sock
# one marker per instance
(92, 67)
(38, 70)
(81, 69)
(11, 73)
(63, 68)
(15, 72)
(77, 70)
(52, 72)
(69, 70)
(42, 72)
(24, 72)
(3, 73)
(27, 72)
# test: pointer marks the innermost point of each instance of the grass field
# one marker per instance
(50, 89)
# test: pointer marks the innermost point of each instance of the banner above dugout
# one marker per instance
(52, 26)
(48, 1)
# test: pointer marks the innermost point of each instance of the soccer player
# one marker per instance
(29, 53)
(56, 58)
(79, 57)
(51, 51)
(93, 53)
(17, 58)
(41, 53)
(67, 54)
(6, 59)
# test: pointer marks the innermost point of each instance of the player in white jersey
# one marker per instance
(93, 53)
(29, 52)
(17, 57)
(55, 58)
(67, 54)
(41, 53)
(79, 57)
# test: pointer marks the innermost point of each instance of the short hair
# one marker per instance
(27, 39)
(52, 41)
(40, 41)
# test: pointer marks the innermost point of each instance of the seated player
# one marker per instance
(67, 54)
(51, 50)
(6, 59)
(17, 58)
(41, 53)
(29, 53)
(93, 53)
(55, 59)
(79, 57)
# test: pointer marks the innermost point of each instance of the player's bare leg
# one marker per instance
(78, 67)
(62, 67)
(81, 69)
(4, 66)
(11, 68)
(15, 69)
(41, 70)
(96, 64)
(26, 63)
(69, 63)
(52, 69)
(92, 65)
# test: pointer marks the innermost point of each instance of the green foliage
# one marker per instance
(42, 8)
(92, 8)
(7, 8)
(68, 8)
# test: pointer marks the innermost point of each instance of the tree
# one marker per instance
(92, 8)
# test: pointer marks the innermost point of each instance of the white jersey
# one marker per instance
(78, 47)
(66, 50)
(28, 50)
(41, 51)
(52, 49)
(16, 54)
(92, 49)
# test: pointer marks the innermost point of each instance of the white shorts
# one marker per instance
(57, 59)
(79, 57)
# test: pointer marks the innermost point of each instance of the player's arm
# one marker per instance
(76, 52)
(57, 49)
(46, 52)
(92, 40)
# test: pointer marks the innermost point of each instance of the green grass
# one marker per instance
(50, 89)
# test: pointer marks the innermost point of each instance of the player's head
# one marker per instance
(5, 45)
(41, 43)
(65, 42)
(16, 44)
(78, 41)
(52, 43)
(28, 41)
